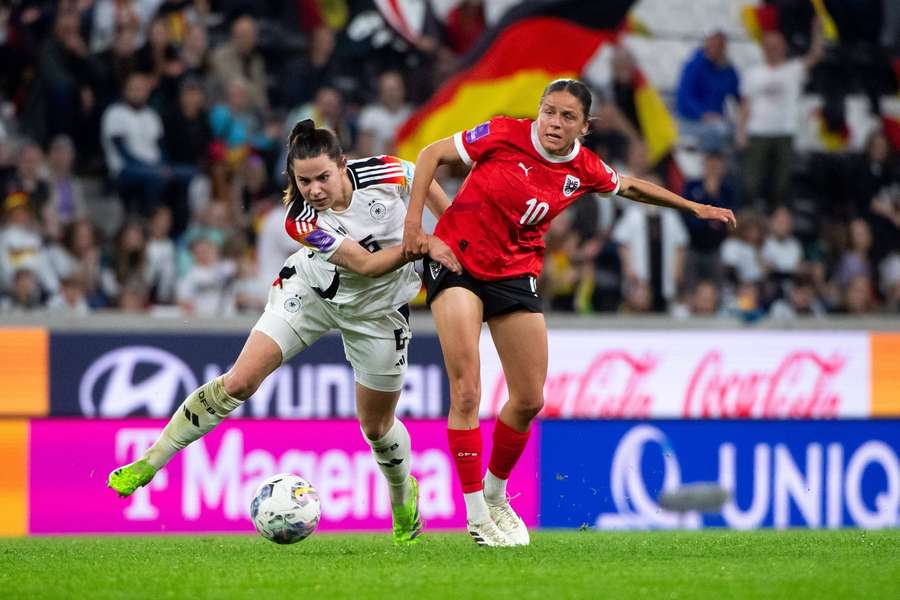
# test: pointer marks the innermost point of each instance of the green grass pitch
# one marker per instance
(587, 564)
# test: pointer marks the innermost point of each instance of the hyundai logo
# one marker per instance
(109, 387)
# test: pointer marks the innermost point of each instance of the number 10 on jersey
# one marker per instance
(535, 212)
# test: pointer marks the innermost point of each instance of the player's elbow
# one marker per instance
(430, 153)
(627, 188)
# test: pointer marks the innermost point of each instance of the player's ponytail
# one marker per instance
(307, 141)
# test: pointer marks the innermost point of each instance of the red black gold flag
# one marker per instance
(508, 69)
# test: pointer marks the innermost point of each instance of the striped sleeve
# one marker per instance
(301, 224)
(380, 170)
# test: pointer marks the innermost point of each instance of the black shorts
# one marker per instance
(499, 297)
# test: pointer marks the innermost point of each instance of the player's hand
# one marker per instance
(714, 213)
(415, 242)
(442, 253)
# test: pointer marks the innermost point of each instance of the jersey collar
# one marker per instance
(546, 155)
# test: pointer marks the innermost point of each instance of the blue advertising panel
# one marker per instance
(137, 375)
(817, 474)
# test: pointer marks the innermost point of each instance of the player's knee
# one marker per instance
(376, 428)
(529, 408)
(239, 385)
(466, 397)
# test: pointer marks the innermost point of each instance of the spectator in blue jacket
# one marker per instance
(707, 81)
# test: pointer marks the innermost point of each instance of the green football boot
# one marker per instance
(125, 480)
(408, 523)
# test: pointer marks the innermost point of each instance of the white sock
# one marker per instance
(393, 454)
(476, 508)
(201, 411)
(494, 489)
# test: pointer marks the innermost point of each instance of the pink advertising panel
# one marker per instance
(208, 486)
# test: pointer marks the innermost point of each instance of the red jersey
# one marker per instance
(497, 221)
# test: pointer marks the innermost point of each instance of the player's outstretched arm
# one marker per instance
(437, 200)
(441, 152)
(351, 256)
(650, 193)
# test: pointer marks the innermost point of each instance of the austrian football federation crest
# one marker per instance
(572, 183)
(435, 269)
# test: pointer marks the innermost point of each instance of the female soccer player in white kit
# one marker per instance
(342, 213)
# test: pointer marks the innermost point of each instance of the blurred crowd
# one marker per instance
(142, 150)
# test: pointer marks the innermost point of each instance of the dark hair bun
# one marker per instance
(302, 129)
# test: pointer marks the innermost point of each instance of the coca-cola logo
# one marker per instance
(797, 387)
(612, 385)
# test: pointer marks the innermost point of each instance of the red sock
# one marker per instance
(465, 447)
(508, 447)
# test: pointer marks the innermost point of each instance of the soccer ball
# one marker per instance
(285, 509)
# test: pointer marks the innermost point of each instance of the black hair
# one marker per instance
(307, 141)
(574, 87)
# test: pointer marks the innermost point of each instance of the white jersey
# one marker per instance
(375, 217)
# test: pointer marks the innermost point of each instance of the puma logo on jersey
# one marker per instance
(526, 169)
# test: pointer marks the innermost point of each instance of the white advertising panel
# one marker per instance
(717, 374)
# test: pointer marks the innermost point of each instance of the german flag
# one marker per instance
(657, 126)
(508, 69)
(759, 19)
(829, 28)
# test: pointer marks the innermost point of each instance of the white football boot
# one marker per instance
(488, 534)
(511, 524)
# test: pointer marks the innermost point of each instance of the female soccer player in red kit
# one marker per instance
(524, 173)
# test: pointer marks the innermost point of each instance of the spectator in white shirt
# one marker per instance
(131, 132)
(379, 122)
(769, 118)
(71, 299)
(741, 255)
(207, 289)
(781, 252)
(652, 246)
(22, 247)
(801, 300)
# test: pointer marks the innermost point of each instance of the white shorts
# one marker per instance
(295, 317)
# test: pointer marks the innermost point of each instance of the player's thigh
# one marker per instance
(258, 358)
(521, 341)
(293, 319)
(457, 314)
